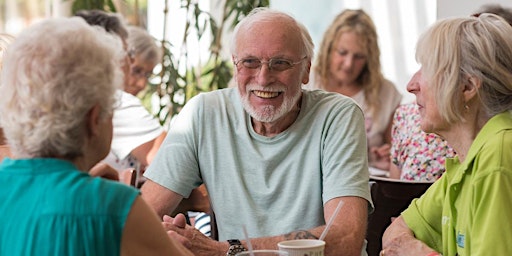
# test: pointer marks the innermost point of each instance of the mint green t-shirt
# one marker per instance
(271, 185)
(48, 207)
(467, 211)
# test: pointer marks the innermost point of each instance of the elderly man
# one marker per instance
(274, 158)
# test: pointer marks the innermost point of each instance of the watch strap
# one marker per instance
(235, 246)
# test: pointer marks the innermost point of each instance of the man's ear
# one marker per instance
(471, 86)
(305, 76)
(93, 120)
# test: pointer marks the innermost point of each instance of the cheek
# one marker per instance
(241, 86)
(335, 60)
(243, 80)
(360, 64)
(131, 81)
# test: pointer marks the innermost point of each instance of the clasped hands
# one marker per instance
(190, 237)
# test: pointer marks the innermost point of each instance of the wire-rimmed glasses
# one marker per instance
(253, 65)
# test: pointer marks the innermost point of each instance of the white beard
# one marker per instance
(269, 113)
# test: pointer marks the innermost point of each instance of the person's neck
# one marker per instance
(271, 129)
(81, 164)
(461, 136)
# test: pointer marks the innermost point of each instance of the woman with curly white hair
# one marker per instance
(58, 85)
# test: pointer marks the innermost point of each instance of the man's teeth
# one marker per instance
(263, 94)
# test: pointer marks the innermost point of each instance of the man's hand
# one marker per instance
(192, 238)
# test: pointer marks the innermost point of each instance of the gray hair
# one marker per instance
(141, 43)
(266, 14)
(455, 49)
(5, 40)
(54, 73)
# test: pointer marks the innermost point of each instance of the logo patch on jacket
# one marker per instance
(460, 240)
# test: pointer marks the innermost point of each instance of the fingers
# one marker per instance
(179, 220)
(181, 239)
(105, 171)
(167, 218)
(382, 150)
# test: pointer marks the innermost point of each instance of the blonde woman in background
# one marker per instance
(348, 63)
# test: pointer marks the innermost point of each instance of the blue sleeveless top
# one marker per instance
(49, 207)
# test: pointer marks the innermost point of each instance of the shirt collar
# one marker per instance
(496, 124)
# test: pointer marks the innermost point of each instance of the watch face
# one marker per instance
(235, 247)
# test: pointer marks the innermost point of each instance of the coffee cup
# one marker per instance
(303, 247)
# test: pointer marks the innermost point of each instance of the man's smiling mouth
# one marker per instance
(265, 94)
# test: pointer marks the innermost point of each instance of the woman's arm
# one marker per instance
(144, 234)
(146, 152)
(394, 171)
(398, 239)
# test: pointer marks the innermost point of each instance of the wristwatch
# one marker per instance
(235, 246)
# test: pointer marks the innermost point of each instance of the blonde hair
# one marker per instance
(371, 78)
(456, 49)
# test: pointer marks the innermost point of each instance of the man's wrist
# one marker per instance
(235, 246)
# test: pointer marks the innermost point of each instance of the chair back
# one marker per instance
(390, 197)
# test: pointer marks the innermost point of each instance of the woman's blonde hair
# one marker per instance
(455, 50)
(371, 78)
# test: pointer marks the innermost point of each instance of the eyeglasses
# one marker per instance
(274, 64)
(140, 73)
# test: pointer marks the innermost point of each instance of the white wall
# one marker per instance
(464, 7)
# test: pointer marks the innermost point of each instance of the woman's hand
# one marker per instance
(380, 156)
(105, 171)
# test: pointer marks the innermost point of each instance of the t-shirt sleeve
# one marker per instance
(133, 126)
(176, 165)
(424, 215)
(344, 156)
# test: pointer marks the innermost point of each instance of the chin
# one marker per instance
(428, 128)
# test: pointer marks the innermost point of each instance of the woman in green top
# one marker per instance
(57, 85)
(464, 94)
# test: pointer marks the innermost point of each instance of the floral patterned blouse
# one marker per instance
(419, 155)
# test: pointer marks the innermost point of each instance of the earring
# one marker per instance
(466, 107)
